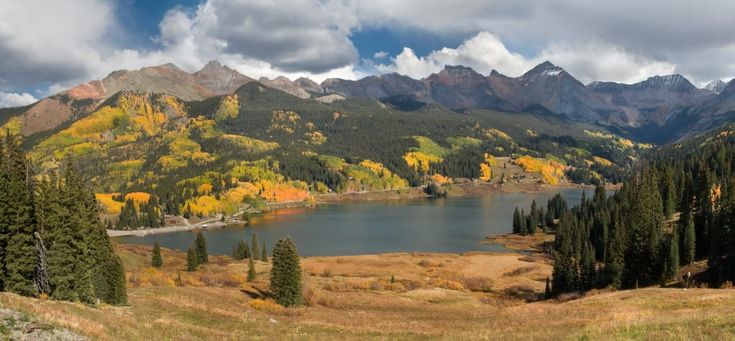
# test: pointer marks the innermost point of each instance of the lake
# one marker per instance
(437, 225)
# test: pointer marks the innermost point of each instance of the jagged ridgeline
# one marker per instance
(260, 144)
(52, 242)
(679, 208)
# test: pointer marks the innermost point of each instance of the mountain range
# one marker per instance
(205, 141)
(660, 109)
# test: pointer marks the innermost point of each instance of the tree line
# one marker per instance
(52, 242)
(150, 214)
(524, 224)
(677, 209)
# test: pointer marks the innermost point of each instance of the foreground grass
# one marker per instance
(432, 296)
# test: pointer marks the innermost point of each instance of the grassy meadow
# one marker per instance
(472, 296)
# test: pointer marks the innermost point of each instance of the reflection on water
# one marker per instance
(439, 225)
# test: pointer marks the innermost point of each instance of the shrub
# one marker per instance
(481, 284)
(267, 306)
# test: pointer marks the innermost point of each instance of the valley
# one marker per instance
(399, 195)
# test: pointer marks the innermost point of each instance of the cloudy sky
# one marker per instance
(48, 45)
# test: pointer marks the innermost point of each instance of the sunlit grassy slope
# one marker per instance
(353, 298)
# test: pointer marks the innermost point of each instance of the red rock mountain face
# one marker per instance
(212, 80)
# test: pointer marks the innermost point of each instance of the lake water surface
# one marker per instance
(437, 225)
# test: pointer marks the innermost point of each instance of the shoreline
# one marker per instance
(466, 189)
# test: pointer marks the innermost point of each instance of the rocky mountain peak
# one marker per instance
(544, 69)
(715, 86)
(673, 82)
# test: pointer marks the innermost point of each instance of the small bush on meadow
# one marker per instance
(267, 306)
(480, 284)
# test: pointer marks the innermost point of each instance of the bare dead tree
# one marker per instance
(41, 278)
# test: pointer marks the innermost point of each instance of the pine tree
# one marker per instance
(689, 247)
(286, 274)
(251, 270)
(156, 260)
(61, 255)
(614, 262)
(255, 253)
(191, 260)
(264, 256)
(118, 286)
(642, 258)
(4, 214)
(549, 218)
(588, 273)
(672, 257)
(531, 222)
(245, 249)
(87, 230)
(668, 193)
(20, 257)
(541, 218)
(522, 223)
(106, 269)
(516, 221)
(547, 291)
(241, 250)
(200, 246)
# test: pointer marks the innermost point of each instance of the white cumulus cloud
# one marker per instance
(51, 44)
(594, 60)
(10, 99)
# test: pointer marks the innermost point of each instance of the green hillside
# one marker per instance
(207, 157)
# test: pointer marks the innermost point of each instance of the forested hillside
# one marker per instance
(677, 209)
(147, 155)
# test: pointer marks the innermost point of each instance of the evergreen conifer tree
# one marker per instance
(118, 288)
(241, 250)
(516, 221)
(4, 214)
(614, 262)
(200, 246)
(156, 260)
(672, 257)
(642, 259)
(689, 247)
(522, 223)
(532, 222)
(86, 229)
(286, 274)
(191, 260)
(668, 193)
(20, 250)
(251, 270)
(264, 255)
(255, 253)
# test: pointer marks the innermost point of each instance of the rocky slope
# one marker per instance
(660, 109)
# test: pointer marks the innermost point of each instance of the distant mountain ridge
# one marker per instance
(669, 102)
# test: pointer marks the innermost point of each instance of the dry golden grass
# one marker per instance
(430, 296)
(532, 243)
